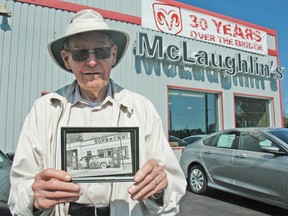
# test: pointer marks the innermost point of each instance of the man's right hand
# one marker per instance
(52, 187)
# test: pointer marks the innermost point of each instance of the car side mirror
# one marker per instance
(273, 150)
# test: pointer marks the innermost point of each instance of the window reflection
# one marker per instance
(192, 113)
(252, 112)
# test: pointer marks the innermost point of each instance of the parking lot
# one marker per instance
(217, 203)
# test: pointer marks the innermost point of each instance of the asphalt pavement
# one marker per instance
(218, 203)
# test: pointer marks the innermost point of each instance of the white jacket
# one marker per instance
(39, 147)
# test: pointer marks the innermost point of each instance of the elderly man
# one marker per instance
(90, 49)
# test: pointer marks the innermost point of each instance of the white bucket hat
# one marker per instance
(86, 21)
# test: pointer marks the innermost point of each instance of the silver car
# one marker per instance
(250, 162)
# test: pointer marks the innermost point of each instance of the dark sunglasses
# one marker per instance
(83, 54)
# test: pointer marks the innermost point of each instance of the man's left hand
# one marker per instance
(150, 179)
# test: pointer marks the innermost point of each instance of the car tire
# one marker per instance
(93, 165)
(197, 180)
(103, 165)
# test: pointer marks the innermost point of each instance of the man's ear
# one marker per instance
(65, 57)
(114, 54)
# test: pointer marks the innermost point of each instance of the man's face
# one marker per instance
(92, 74)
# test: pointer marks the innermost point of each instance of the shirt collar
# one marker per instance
(78, 98)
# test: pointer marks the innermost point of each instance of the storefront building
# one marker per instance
(116, 146)
(203, 71)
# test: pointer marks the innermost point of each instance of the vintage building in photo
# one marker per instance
(116, 147)
(203, 71)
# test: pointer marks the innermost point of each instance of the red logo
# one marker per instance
(167, 18)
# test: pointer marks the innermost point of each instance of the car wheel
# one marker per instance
(103, 165)
(93, 165)
(197, 180)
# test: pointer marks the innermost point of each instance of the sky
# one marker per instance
(272, 14)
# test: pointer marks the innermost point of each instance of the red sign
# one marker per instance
(167, 18)
(199, 26)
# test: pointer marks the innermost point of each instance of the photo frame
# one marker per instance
(100, 154)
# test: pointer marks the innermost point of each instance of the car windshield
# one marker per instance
(283, 135)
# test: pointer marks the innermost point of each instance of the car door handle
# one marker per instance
(241, 156)
(207, 152)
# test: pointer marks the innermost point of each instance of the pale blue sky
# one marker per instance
(272, 14)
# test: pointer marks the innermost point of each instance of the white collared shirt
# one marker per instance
(86, 113)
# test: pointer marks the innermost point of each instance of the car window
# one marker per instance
(263, 140)
(208, 141)
(266, 142)
(250, 141)
(225, 140)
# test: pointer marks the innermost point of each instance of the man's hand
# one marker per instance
(149, 180)
(52, 187)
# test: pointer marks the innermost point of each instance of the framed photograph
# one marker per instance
(97, 154)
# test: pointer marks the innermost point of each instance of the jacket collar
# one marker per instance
(122, 97)
(119, 94)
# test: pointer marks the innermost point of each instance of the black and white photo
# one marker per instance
(100, 154)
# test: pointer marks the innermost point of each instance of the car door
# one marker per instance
(217, 158)
(259, 173)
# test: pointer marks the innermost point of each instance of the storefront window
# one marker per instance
(252, 112)
(192, 113)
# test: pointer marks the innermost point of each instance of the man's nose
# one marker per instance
(92, 60)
